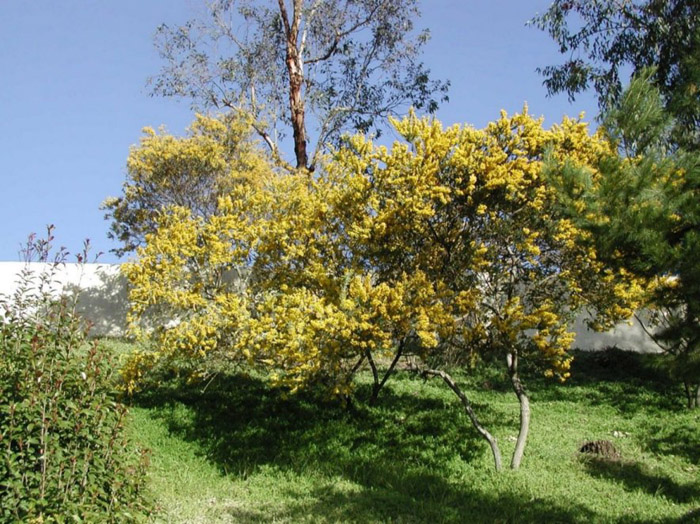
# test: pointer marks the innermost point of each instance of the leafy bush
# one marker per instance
(63, 453)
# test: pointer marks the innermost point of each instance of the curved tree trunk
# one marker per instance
(512, 360)
(470, 411)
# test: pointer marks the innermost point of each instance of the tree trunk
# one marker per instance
(470, 411)
(296, 106)
(378, 385)
(375, 374)
(295, 69)
(512, 360)
(692, 394)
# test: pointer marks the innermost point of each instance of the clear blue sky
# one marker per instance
(73, 96)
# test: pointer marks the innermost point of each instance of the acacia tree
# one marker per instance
(192, 172)
(602, 38)
(517, 267)
(308, 314)
(452, 235)
(336, 65)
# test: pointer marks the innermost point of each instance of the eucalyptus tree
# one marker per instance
(604, 40)
(317, 68)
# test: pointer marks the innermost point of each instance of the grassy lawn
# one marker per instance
(243, 452)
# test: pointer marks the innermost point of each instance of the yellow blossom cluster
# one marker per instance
(451, 235)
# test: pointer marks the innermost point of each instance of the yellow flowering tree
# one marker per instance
(473, 211)
(326, 305)
(188, 292)
(305, 306)
(193, 172)
(450, 238)
(185, 214)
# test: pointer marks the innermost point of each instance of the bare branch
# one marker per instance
(340, 35)
(467, 407)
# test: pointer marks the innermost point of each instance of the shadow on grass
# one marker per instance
(242, 423)
(404, 454)
(690, 517)
(635, 476)
(682, 440)
(630, 382)
(392, 505)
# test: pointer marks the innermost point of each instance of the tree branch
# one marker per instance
(467, 407)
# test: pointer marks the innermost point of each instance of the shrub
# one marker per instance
(63, 452)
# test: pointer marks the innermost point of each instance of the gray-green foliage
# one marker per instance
(344, 64)
(63, 453)
(604, 39)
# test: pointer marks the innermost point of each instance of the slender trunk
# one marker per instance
(375, 373)
(377, 386)
(470, 412)
(348, 403)
(512, 360)
(357, 365)
(692, 394)
(297, 111)
(347, 398)
(295, 69)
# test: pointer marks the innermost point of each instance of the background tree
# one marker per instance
(336, 65)
(644, 213)
(604, 39)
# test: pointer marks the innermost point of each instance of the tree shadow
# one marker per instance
(636, 476)
(680, 440)
(456, 504)
(629, 382)
(688, 518)
(242, 423)
(401, 452)
(103, 301)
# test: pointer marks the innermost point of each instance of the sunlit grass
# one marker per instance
(243, 452)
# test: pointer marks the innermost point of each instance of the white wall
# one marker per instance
(103, 300)
(627, 335)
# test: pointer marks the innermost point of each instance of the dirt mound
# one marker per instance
(601, 448)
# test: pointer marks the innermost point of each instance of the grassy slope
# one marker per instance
(241, 452)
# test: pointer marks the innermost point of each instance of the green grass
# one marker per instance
(243, 452)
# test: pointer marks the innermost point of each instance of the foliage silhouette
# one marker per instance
(636, 476)
(401, 451)
(624, 380)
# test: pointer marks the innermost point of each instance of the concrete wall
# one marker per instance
(627, 335)
(102, 296)
(103, 300)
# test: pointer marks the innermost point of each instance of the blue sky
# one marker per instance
(73, 96)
